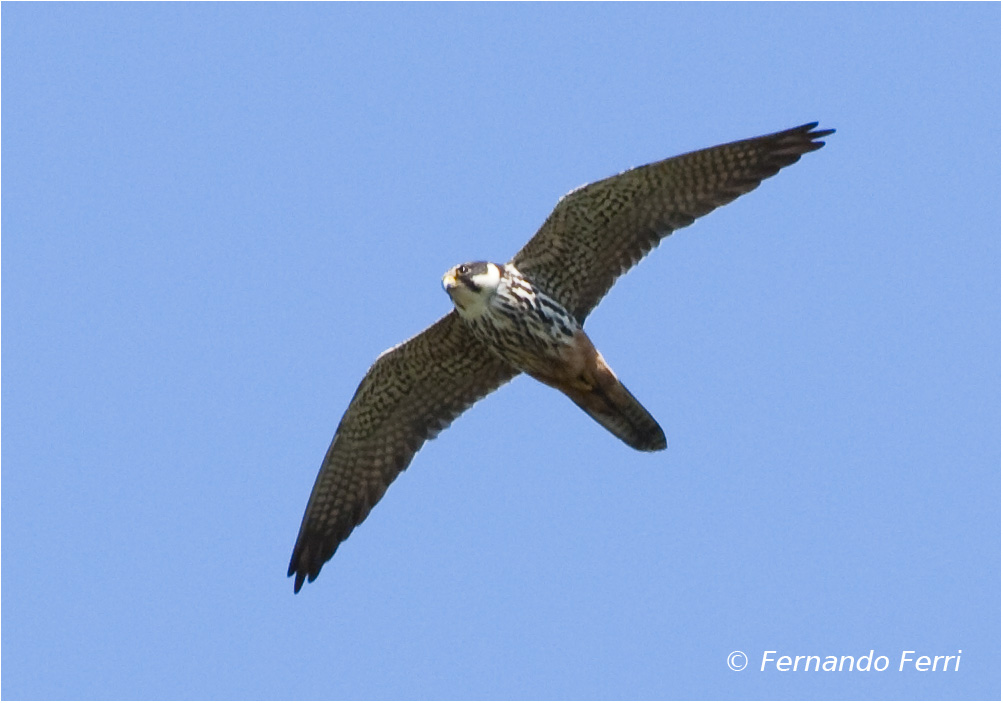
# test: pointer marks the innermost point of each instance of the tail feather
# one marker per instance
(614, 407)
(585, 377)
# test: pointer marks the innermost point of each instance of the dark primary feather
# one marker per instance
(411, 393)
(599, 231)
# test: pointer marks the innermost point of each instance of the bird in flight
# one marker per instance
(526, 316)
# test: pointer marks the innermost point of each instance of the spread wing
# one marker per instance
(600, 230)
(413, 391)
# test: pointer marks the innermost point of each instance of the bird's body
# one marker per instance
(526, 316)
(504, 310)
(534, 333)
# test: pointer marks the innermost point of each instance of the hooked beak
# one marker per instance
(449, 281)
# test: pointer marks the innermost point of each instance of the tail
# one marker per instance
(610, 404)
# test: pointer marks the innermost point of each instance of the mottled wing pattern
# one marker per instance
(411, 393)
(599, 231)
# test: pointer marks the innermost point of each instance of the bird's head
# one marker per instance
(472, 285)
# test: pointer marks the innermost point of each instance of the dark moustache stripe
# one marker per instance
(465, 280)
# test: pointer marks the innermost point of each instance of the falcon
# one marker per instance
(526, 316)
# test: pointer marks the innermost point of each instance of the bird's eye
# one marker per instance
(463, 270)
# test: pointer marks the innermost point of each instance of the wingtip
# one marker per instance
(300, 575)
(814, 134)
(300, 567)
(301, 578)
(800, 140)
(295, 569)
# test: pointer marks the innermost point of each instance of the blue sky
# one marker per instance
(215, 217)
